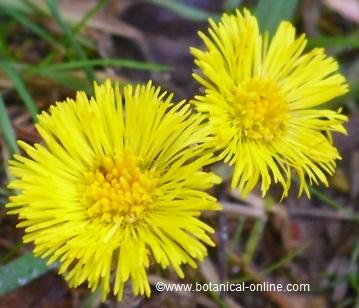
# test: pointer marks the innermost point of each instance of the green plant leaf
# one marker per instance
(89, 14)
(335, 41)
(20, 17)
(73, 65)
(253, 241)
(80, 54)
(271, 13)
(66, 79)
(285, 260)
(20, 272)
(20, 87)
(19, 5)
(7, 130)
(184, 10)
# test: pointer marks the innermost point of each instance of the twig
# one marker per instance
(325, 214)
(242, 210)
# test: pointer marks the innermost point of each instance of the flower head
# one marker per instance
(262, 99)
(115, 187)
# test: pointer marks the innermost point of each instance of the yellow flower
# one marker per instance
(262, 99)
(115, 187)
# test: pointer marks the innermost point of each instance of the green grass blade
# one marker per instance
(237, 233)
(324, 198)
(271, 13)
(355, 89)
(66, 79)
(73, 65)
(7, 130)
(19, 5)
(26, 22)
(280, 263)
(284, 261)
(185, 10)
(89, 14)
(35, 7)
(20, 87)
(21, 271)
(332, 203)
(80, 54)
(253, 241)
(351, 41)
(353, 275)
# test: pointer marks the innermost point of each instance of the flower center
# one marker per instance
(260, 110)
(118, 191)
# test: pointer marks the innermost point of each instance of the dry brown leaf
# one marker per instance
(106, 20)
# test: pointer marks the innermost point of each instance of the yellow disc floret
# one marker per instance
(118, 190)
(260, 110)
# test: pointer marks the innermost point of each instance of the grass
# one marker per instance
(278, 264)
(73, 51)
(7, 130)
(89, 14)
(343, 41)
(80, 64)
(70, 38)
(253, 241)
(186, 11)
(20, 87)
(32, 26)
(70, 52)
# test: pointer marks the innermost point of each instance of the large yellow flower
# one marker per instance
(262, 99)
(116, 187)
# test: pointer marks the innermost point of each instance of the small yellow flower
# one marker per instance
(262, 99)
(115, 187)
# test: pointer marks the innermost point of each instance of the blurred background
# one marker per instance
(49, 49)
